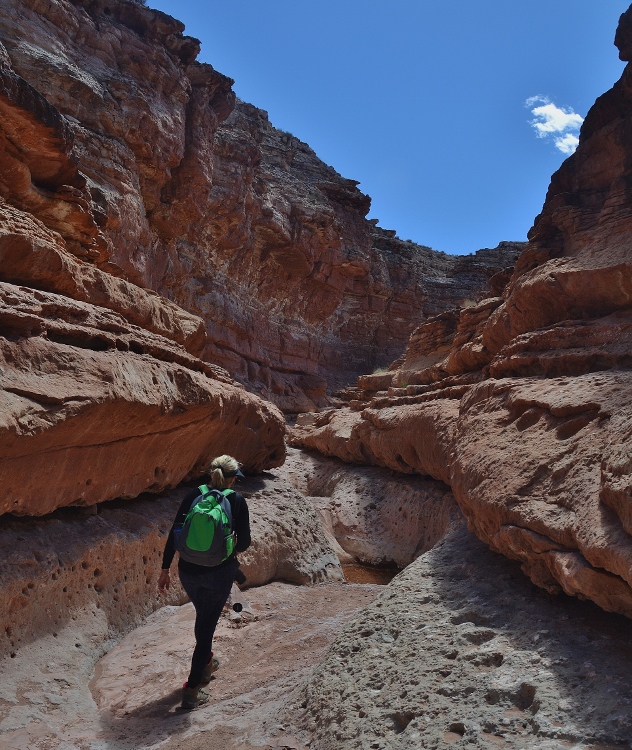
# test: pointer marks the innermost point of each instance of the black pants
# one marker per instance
(208, 590)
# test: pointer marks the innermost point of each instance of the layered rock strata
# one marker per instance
(54, 570)
(521, 402)
(145, 172)
(102, 392)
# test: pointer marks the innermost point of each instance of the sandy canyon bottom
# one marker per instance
(459, 650)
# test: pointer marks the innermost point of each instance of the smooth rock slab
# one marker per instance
(51, 695)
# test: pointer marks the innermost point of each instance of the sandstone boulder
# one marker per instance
(289, 542)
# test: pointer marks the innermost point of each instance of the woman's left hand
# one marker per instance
(164, 581)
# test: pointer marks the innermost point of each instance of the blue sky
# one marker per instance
(422, 101)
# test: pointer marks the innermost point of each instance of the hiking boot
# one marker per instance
(211, 667)
(193, 697)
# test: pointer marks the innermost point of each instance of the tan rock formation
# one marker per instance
(376, 517)
(289, 542)
(461, 651)
(522, 401)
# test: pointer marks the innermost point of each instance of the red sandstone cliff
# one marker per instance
(102, 394)
(180, 191)
(523, 402)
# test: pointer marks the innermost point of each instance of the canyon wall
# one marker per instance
(103, 394)
(522, 403)
(153, 232)
(180, 189)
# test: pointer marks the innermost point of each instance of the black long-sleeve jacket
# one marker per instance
(241, 527)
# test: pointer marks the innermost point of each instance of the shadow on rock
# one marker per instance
(462, 645)
(147, 724)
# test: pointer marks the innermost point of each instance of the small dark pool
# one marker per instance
(356, 573)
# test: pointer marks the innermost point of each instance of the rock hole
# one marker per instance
(454, 733)
(401, 720)
(474, 617)
(525, 696)
(529, 418)
(135, 347)
(479, 636)
(573, 426)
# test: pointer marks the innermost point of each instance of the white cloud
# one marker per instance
(559, 124)
(567, 143)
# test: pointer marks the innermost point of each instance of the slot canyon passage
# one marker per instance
(436, 448)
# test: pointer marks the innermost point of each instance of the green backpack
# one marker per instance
(207, 537)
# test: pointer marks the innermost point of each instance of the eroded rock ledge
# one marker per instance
(102, 393)
(522, 402)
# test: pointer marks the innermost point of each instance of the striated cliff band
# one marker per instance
(180, 189)
(523, 402)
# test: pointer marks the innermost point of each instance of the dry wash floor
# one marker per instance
(53, 701)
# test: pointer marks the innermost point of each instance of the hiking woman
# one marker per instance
(208, 587)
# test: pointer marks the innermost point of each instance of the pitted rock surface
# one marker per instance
(461, 650)
(54, 569)
(373, 516)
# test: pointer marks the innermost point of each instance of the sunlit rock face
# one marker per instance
(182, 191)
(103, 394)
(522, 401)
